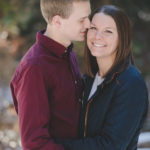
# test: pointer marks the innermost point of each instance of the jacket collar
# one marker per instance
(108, 79)
(51, 46)
(114, 73)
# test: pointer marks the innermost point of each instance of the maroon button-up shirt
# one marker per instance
(46, 89)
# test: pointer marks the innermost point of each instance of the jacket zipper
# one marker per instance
(86, 117)
(87, 111)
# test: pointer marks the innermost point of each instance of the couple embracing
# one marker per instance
(58, 109)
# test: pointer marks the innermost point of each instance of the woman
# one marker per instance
(115, 99)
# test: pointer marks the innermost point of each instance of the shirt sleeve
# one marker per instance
(123, 121)
(33, 110)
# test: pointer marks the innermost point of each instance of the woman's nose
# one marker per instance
(98, 35)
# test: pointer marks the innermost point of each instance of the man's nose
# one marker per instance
(87, 23)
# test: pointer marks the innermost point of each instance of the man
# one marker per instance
(47, 86)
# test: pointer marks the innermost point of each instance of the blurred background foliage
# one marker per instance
(21, 19)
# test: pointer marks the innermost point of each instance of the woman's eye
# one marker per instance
(108, 31)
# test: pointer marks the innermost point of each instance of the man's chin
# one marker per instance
(81, 39)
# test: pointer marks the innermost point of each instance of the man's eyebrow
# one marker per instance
(84, 17)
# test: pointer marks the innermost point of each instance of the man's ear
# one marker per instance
(56, 21)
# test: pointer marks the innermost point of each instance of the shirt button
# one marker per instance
(80, 100)
(75, 82)
(65, 51)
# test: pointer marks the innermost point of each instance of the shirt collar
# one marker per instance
(52, 46)
(98, 79)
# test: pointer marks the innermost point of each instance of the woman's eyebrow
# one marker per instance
(113, 28)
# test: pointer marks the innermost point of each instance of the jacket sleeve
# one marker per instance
(126, 113)
(29, 92)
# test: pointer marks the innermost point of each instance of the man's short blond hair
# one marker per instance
(63, 8)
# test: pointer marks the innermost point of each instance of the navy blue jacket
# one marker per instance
(114, 116)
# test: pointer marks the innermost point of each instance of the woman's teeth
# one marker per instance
(98, 45)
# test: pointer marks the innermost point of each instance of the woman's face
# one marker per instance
(102, 37)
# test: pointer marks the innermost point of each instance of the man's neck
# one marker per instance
(50, 33)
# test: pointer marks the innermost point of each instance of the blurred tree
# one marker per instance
(24, 15)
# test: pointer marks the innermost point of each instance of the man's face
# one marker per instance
(74, 27)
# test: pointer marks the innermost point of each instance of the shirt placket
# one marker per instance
(75, 78)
